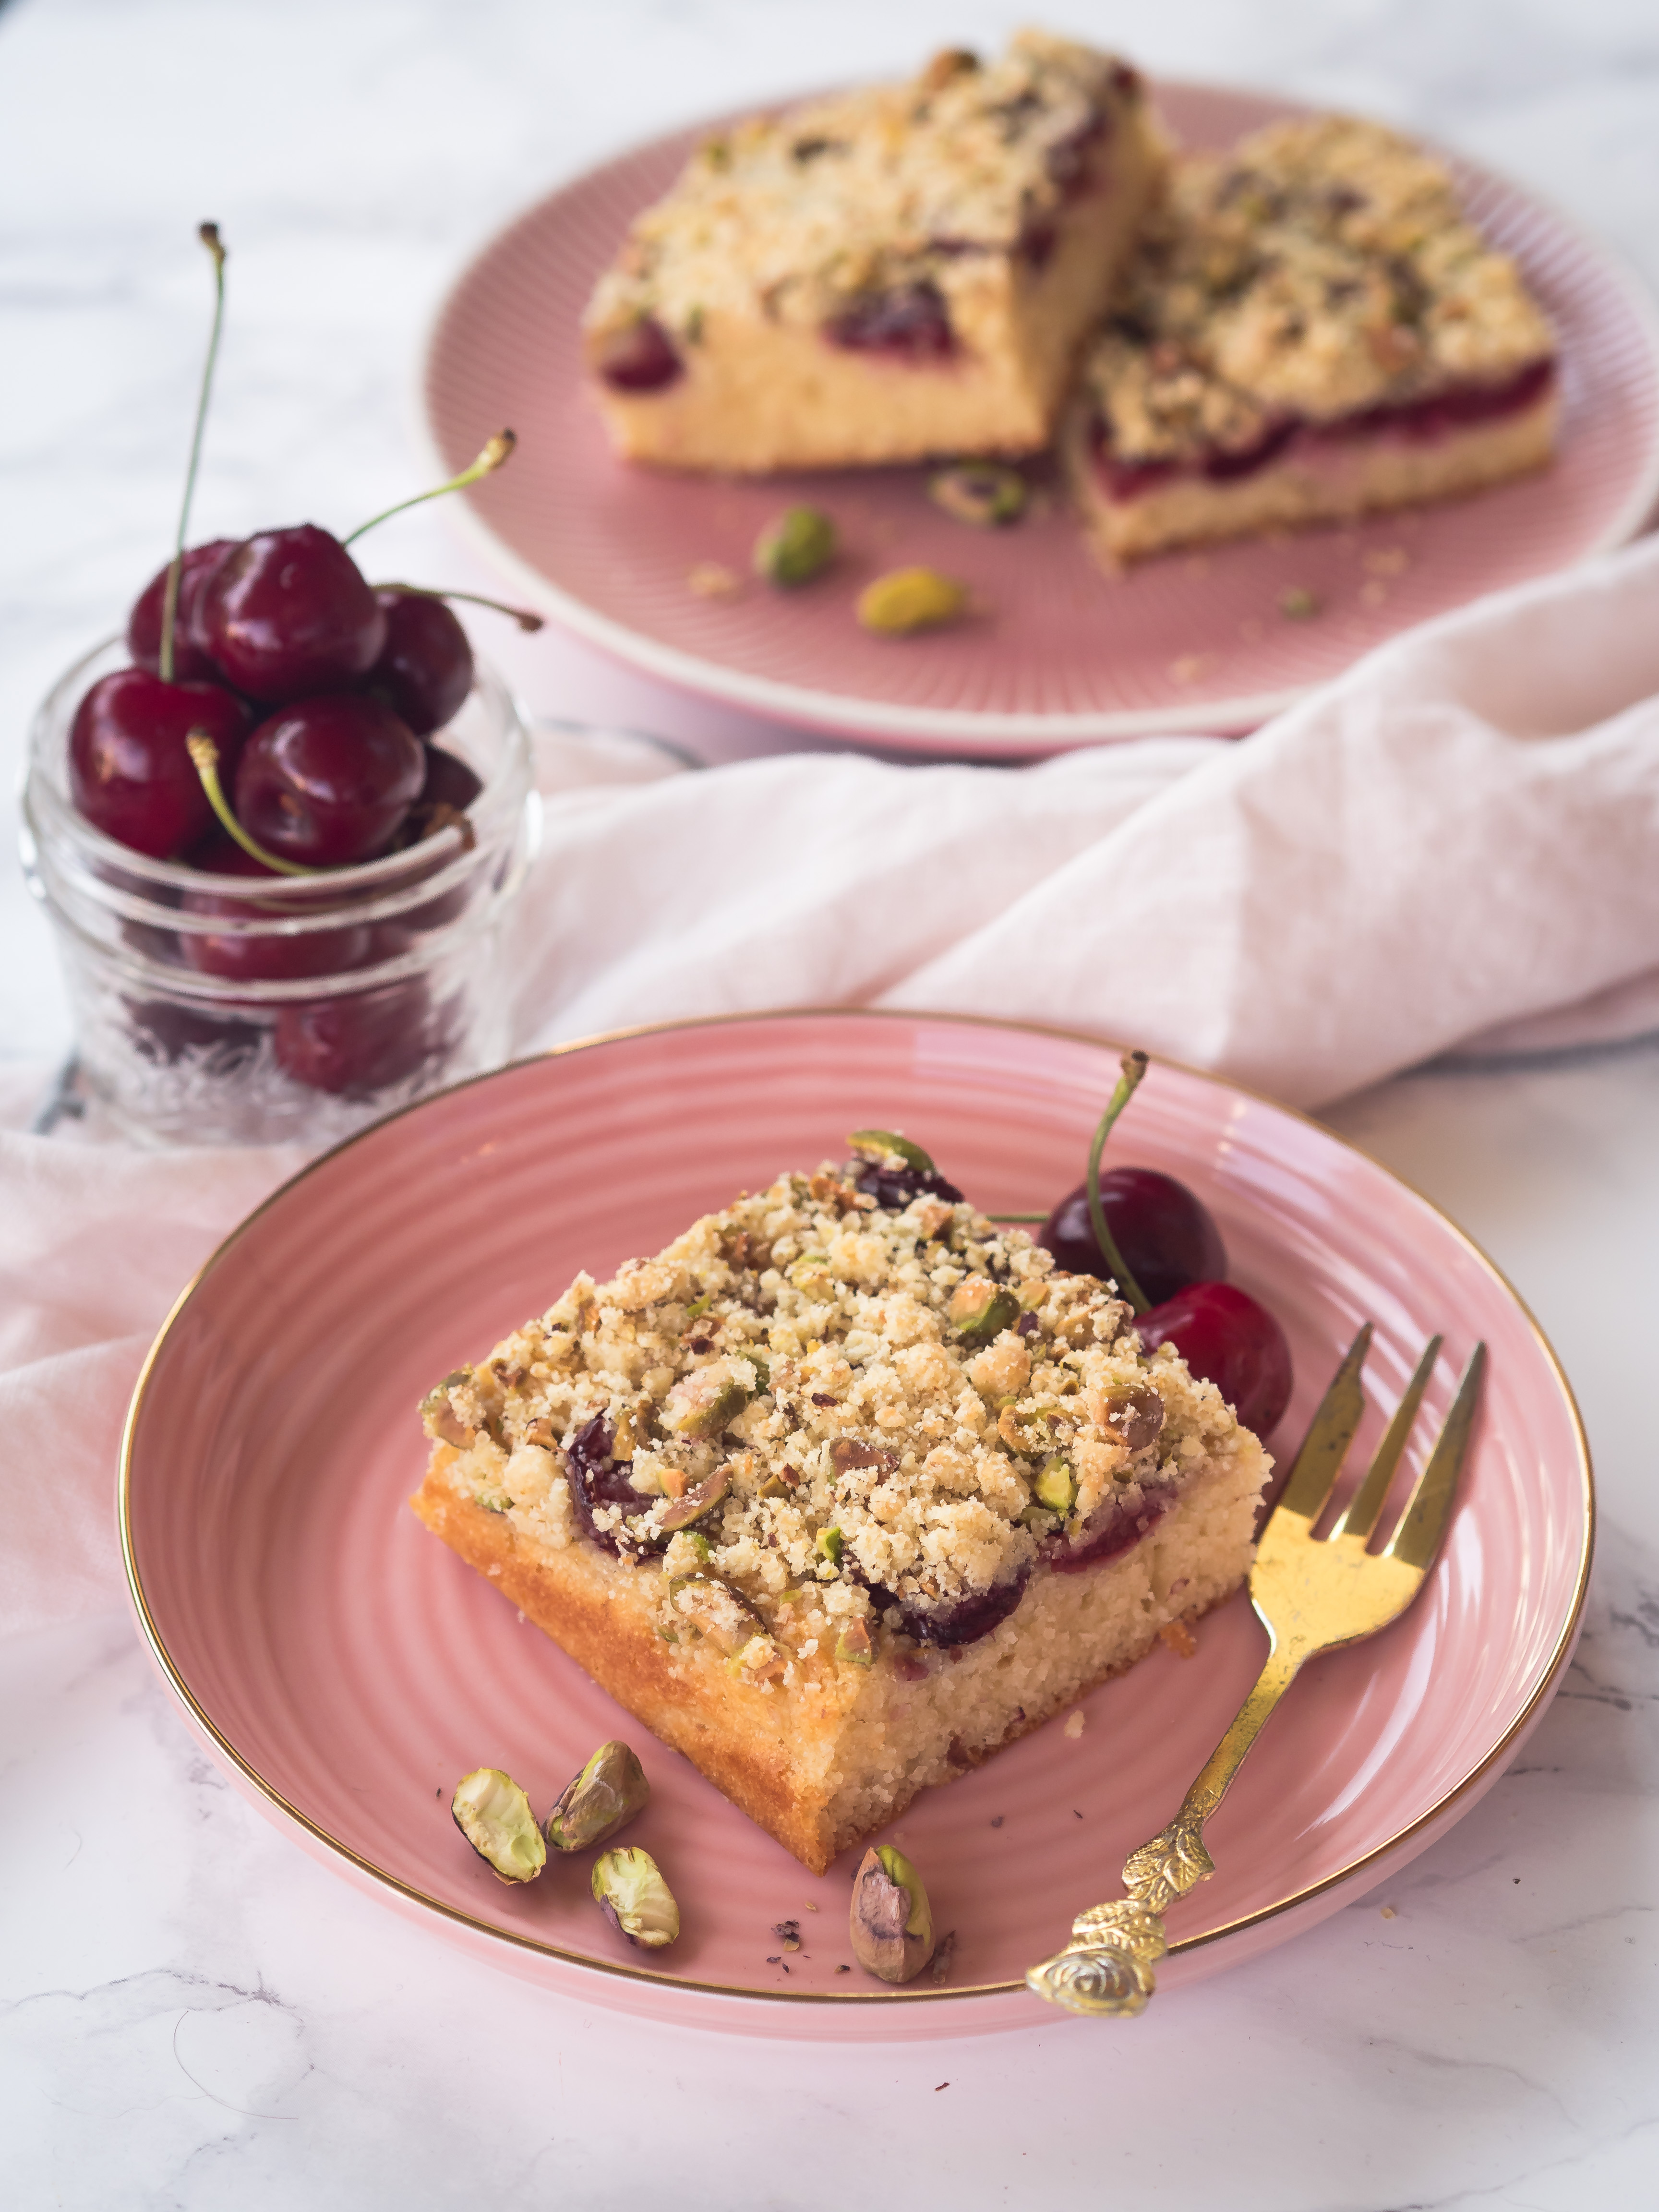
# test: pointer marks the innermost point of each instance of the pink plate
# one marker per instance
(1061, 656)
(347, 1670)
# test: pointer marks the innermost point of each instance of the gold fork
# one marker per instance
(1310, 1597)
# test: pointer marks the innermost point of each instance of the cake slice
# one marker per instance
(882, 275)
(1310, 332)
(843, 1489)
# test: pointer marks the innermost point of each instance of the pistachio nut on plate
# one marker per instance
(494, 1815)
(605, 1796)
(635, 1899)
(891, 1922)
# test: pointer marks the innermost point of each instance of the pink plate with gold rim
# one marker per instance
(347, 1670)
(1059, 655)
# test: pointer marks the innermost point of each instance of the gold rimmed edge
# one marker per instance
(583, 1960)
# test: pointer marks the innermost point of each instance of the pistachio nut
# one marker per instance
(907, 599)
(854, 1647)
(440, 1421)
(980, 1310)
(605, 1796)
(494, 1815)
(635, 1899)
(986, 493)
(702, 1403)
(695, 1503)
(799, 546)
(1134, 1416)
(891, 1923)
(886, 1146)
(1056, 1487)
(828, 1545)
(716, 1611)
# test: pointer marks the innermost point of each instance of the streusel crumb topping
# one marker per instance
(793, 218)
(821, 1413)
(1321, 268)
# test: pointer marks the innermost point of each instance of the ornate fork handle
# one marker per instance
(1109, 1965)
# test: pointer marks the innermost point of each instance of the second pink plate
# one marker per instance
(1060, 655)
(347, 1670)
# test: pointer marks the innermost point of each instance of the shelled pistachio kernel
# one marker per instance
(986, 493)
(494, 1815)
(799, 546)
(695, 1503)
(979, 1310)
(1056, 1487)
(702, 1403)
(886, 1146)
(605, 1796)
(908, 600)
(629, 1887)
(854, 1646)
(890, 1923)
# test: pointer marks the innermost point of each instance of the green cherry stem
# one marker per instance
(205, 754)
(208, 234)
(495, 454)
(522, 616)
(1018, 1216)
(1134, 1066)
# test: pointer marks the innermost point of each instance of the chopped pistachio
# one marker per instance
(442, 1423)
(887, 1145)
(494, 1815)
(908, 600)
(853, 1647)
(695, 1503)
(702, 1403)
(986, 493)
(605, 1796)
(980, 1310)
(638, 1903)
(1056, 1487)
(799, 546)
(828, 1545)
(891, 1923)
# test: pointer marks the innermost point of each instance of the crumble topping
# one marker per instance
(830, 1412)
(1321, 268)
(867, 193)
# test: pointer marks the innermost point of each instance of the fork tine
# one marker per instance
(1329, 1434)
(1358, 1517)
(1423, 1523)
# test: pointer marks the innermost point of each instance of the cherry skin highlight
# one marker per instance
(1168, 1238)
(131, 772)
(1230, 1339)
(328, 780)
(192, 661)
(425, 669)
(288, 613)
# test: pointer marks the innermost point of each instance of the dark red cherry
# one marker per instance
(911, 323)
(192, 661)
(425, 669)
(130, 771)
(328, 780)
(262, 959)
(357, 1045)
(288, 612)
(1167, 1236)
(164, 1030)
(641, 358)
(448, 781)
(1230, 1339)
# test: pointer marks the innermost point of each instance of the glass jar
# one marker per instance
(234, 1010)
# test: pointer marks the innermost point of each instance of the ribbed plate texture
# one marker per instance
(355, 1670)
(1060, 654)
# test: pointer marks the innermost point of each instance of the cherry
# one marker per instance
(164, 1031)
(448, 782)
(1230, 1339)
(262, 959)
(641, 358)
(192, 662)
(355, 1046)
(425, 667)
(328, 780)
(130, 773)
(1166, 1235)
(288, 613)
(911, 322)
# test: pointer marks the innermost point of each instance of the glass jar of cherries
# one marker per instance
(217, 1001)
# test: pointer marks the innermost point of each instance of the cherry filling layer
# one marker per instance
(1417, 420)
(910, 322)
(641, 358)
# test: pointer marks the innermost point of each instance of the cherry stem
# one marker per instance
(495, 454)
(1017, 1216)
(208, 234)
(522, 616)
(1134, 1066)
(205, 755)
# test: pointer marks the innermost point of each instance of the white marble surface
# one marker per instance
(193, 2014)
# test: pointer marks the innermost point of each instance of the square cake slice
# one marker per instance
(842, 1491)
(1310, 331)
(882, 275)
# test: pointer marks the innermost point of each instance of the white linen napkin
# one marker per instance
(1453, 846)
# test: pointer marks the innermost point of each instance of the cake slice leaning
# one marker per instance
(1310, 331)
(879, 277)
(842, 1491)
